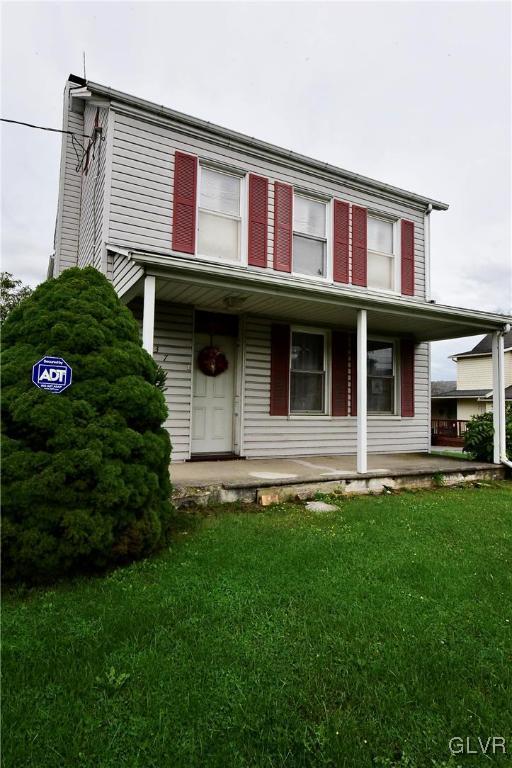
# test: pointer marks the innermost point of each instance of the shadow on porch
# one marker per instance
(266, 481)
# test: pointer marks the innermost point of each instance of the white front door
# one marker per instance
(213, 400)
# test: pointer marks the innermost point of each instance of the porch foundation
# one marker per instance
(271, 481)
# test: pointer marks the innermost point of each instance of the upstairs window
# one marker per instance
(381, 377)
(219, 219)
(381, 254)
(307, 374)
(309, 236)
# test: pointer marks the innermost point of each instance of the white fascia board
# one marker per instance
(87, 95)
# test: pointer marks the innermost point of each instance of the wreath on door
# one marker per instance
(212, 361)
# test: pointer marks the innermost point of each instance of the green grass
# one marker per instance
(366, 637)
(452, 454)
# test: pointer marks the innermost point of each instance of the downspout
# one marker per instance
(503, 457)
(426, 238)
(427, 250)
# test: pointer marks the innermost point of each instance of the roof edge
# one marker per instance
(173, 260)
(475, 354)
(264, 146)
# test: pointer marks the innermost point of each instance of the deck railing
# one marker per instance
(448, 431)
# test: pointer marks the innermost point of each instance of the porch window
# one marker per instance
(219, 217)
(381, 254)
(381, 377)
(309, 236)
(307, 374)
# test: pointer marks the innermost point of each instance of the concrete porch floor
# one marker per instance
(246, 479)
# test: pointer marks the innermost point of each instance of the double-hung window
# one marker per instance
(219, 219)
(308, 373)
(309, 236)
(381, 377)
(381, 253)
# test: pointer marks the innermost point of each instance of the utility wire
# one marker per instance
(43, 128)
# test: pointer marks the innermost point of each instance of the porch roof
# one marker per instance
(246, 290)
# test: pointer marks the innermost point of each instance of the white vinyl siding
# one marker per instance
(474, 372)
(143, 176)
(68, 213)
(126, 273)
(466, 408)
(265, 435)
(262, 434)
(173, 344)
(93, 190)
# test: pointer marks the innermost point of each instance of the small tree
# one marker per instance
(11, 293)
(85, 472)
(479, 435)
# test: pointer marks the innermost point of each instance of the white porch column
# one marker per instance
(148, 317)
(498, 396)
(362, 347)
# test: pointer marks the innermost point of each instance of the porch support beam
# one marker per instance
(362, 420)
(498, 396)
(148, 317)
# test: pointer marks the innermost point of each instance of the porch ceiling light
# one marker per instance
(234, 302)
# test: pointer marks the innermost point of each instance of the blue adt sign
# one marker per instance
(52, 374)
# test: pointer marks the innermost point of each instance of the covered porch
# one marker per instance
(252, 293)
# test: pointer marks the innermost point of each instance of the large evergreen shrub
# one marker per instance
(479, 435)
(85, 472)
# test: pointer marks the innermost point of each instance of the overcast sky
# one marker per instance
(416, 94)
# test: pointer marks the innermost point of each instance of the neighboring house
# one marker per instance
(472, 392)
(442, 408)
(311, 280)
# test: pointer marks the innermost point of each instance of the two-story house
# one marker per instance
(287, 299)
(473, 390)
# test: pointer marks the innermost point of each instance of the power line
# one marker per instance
(43, 128)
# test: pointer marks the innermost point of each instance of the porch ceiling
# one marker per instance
(245, 291)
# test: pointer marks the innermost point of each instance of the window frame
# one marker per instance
(395, 255)
(327, 202)
(242, 218)
(396, 378)
(326, 372)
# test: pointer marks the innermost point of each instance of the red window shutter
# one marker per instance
(258, 220)
(283, 226)
(280, 370)
(407, 377)
(340, 241)
(339, 373)
(184, 204)
(359, 245)
(353, 375)
(407, 247)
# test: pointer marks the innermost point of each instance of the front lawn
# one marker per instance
(366, 637)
